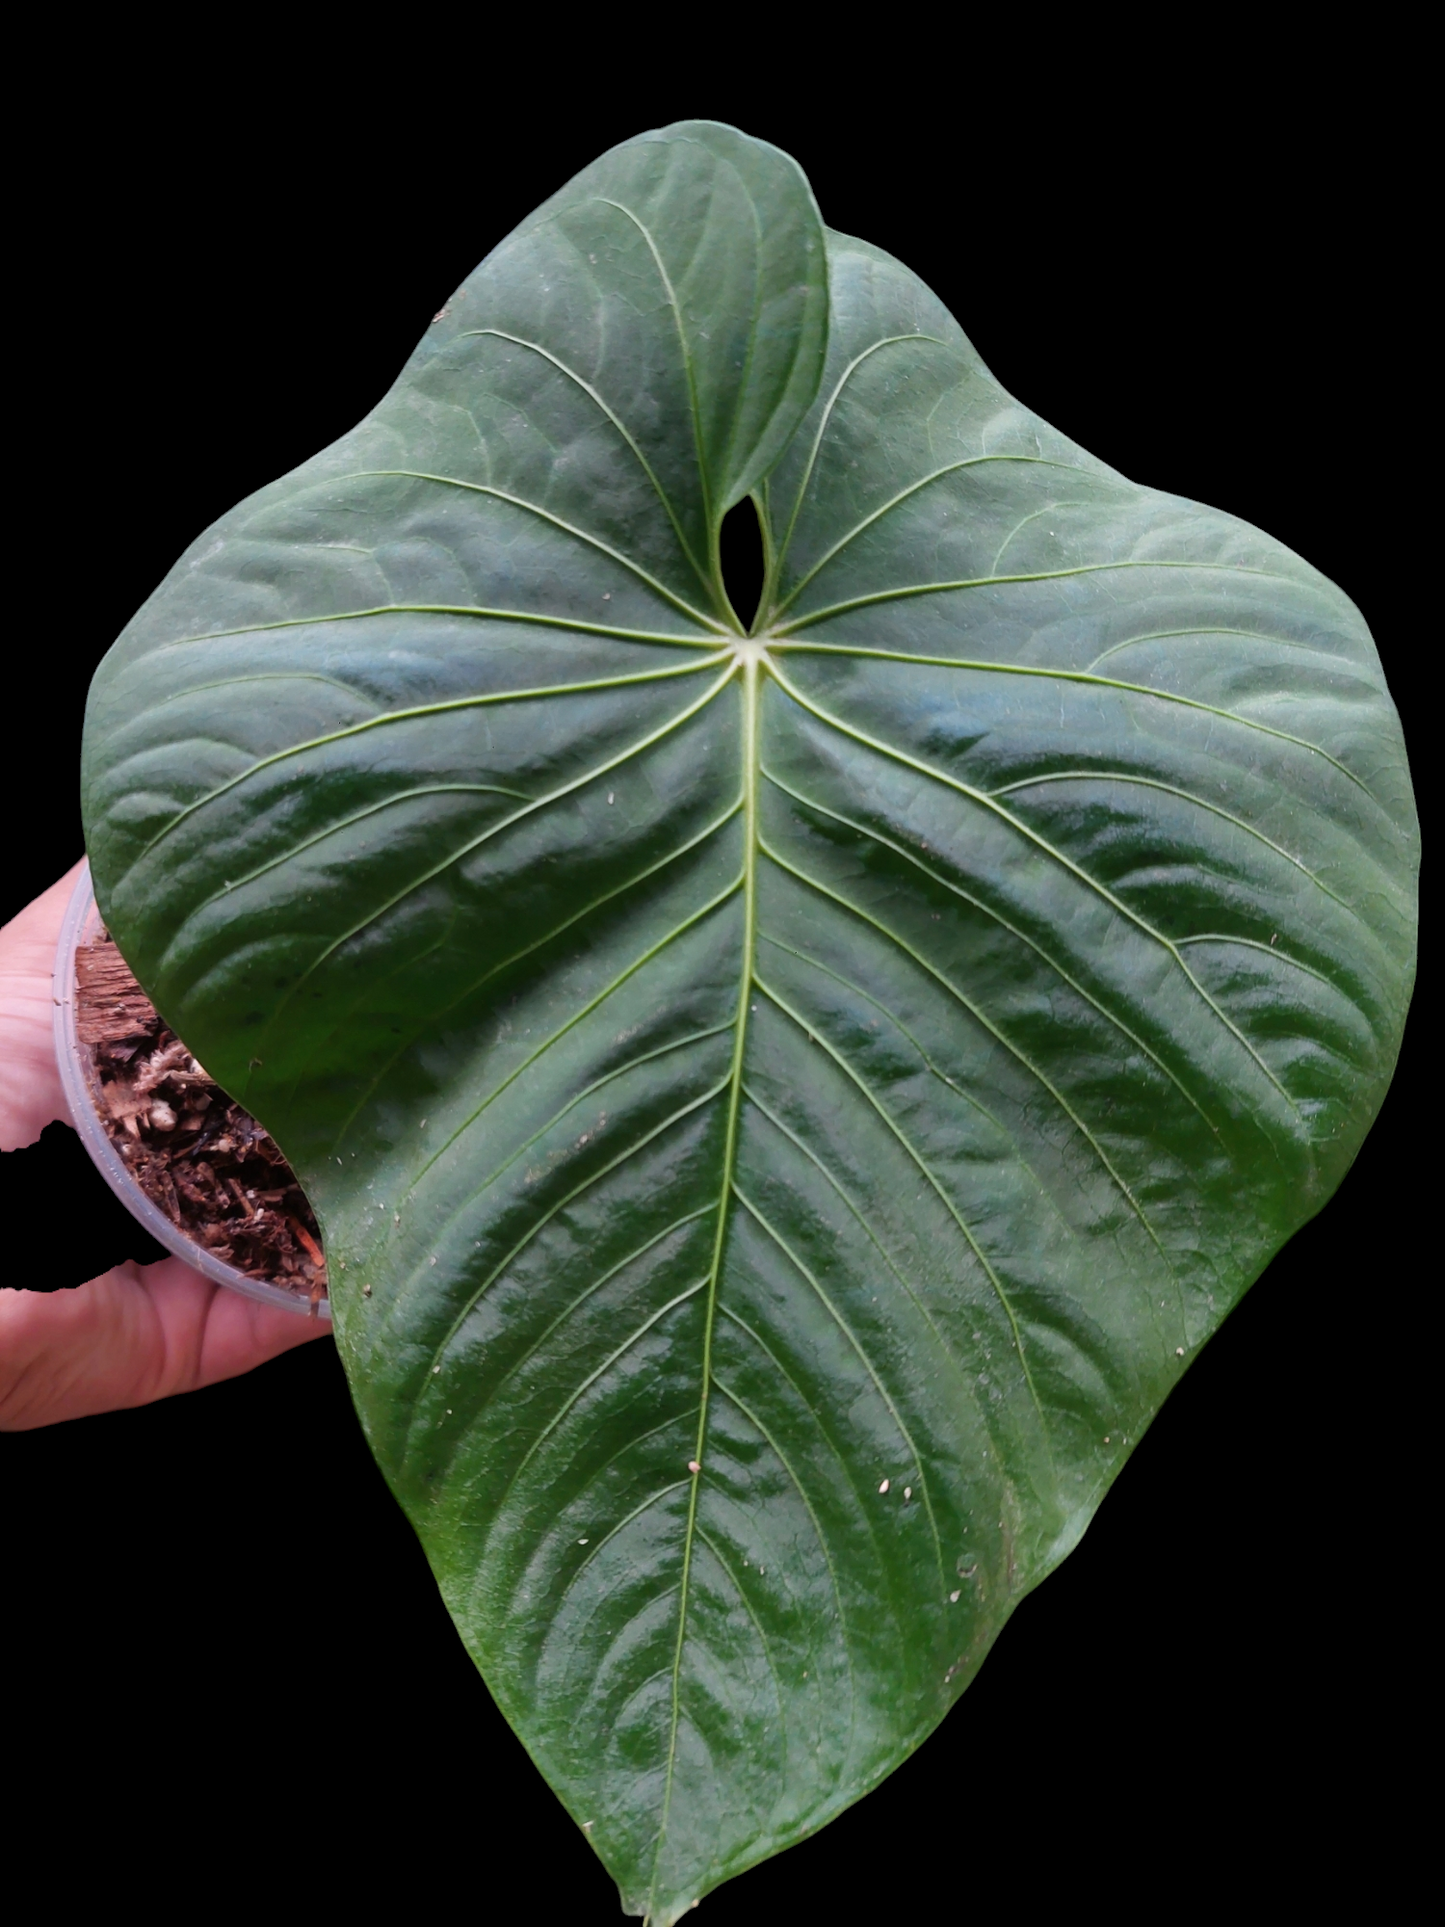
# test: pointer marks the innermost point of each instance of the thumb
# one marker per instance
(30, 1093)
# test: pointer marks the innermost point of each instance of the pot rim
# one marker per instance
(81, 1086)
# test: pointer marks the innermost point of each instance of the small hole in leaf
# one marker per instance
(741, 542)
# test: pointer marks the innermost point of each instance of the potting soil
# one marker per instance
(197, 1154)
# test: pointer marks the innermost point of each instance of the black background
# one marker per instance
(223, 1641)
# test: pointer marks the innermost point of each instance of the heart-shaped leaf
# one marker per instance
(783, 1109)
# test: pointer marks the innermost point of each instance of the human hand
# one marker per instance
(138, 1332)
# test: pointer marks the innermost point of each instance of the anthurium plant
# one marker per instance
(786, 1095)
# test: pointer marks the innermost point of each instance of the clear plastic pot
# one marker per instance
(81, 1085)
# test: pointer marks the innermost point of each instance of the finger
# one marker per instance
(136, 1333)
(30, 1093)
(234, 1335)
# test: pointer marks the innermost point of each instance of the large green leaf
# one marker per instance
(784, 1110)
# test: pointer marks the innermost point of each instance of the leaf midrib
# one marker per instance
(750, 671)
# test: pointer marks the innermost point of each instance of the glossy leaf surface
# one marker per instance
(784, 1110)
